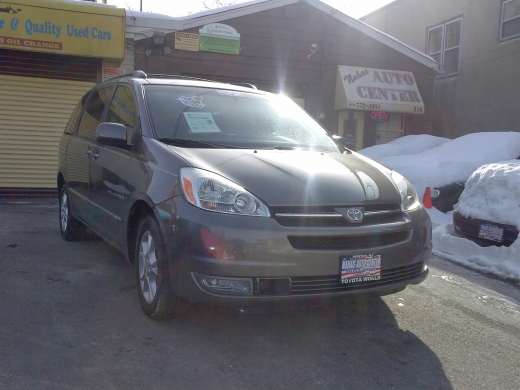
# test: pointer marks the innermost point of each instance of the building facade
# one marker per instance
(51, 53)
(360, 84)
(477, 44)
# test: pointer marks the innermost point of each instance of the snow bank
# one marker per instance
(453, 161)
(492, 191)
(411, 144)
(501, 261)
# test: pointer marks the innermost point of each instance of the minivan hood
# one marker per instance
(298, 177)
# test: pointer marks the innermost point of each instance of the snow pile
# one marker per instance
(492, 191)
(453, 161)
(411, 144)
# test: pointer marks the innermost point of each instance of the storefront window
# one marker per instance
(390, 130)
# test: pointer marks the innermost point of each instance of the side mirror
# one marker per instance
(111, 134)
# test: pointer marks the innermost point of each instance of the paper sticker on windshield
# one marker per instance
(230, 93)
(201, 122)
(192, 101)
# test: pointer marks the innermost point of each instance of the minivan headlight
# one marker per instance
(212, 192)
(409, 198)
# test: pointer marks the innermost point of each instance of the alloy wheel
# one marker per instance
(64, 212)
(148, 269)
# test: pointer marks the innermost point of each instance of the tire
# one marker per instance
(152, 272)
(71, 229)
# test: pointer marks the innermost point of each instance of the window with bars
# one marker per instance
(444, 45)
(510, 23)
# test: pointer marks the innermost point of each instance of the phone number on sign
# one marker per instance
(370, 106)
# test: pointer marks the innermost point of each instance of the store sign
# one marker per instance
(219, 38)
(108, 73)
(75, 28)
(186, 41)
(378, 116)
(377, 90)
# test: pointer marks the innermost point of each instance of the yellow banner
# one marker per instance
(75, 28)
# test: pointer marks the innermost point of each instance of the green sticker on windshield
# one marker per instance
(201, 122)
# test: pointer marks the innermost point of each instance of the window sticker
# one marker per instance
(192, 101)
(230, 93)
(201, 122)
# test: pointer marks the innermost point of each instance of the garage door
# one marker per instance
(33, 115)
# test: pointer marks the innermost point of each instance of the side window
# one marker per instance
(73, 120)
(510, 19)
(92, 115)
(124, 110)
(443, 45)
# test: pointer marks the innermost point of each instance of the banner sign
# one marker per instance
(186, 41)
(75, 28)
(370, 89)
(219, 38)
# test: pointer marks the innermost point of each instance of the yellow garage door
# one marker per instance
(33, 114)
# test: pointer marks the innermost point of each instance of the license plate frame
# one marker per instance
(491, 232)
(360, 268)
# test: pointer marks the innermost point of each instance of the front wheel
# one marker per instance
(71, 229)
(152, 272)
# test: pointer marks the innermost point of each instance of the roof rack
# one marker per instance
(248, 85)
(176, 76)
(142, 75)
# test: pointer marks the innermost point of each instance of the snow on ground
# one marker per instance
(450, 162)
(411, 144)
(492, 192)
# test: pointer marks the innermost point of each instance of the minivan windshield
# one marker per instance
(204, 117)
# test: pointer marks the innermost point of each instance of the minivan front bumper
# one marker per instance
(284, 263)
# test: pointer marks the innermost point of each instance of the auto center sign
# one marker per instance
(370, 89)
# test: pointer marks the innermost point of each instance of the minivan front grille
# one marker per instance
(348, 242)
(328, 216)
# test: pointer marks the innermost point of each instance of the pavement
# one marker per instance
(70, 319)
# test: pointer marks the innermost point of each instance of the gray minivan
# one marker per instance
(228, 195)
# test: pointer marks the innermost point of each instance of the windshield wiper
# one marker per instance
(191, 143)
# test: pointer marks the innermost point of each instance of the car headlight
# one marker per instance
(409, 198)
(212, 192)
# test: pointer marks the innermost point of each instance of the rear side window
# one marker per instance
(74, 117)
(94, 110)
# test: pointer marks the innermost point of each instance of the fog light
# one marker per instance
(221, 285)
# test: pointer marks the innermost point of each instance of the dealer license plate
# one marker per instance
(360, 268)
(491, 232)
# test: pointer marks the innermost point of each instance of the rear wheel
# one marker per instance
(71, 229)
(152, 272)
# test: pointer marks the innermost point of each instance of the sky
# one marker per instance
(354, 8)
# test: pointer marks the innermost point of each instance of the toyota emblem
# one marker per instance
(355, 215)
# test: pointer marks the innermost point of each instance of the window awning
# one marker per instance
(377, 90)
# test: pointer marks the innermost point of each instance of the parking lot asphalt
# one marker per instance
(70, 319)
